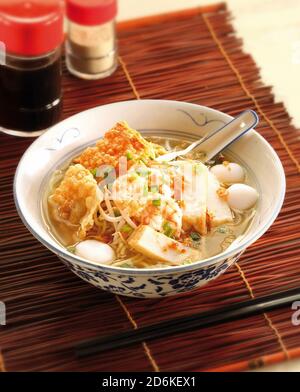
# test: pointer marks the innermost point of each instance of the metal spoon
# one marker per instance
(218, 139)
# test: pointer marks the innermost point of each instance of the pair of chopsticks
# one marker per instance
(188, 323)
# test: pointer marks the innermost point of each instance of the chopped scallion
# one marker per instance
(126, 228)
(168, 231)
(94, 172)
(156, 202)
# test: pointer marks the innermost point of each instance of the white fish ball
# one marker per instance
(96, 251)
(229, 173)
(241, 197)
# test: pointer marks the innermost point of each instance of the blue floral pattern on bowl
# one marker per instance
(148, 286)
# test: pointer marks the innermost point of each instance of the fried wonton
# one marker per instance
(120, 141)
(76, 199)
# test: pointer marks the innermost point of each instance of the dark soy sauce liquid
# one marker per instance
(30, 94)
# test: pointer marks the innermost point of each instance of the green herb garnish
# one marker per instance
(168, 231)
(221, 230)
(129, 155)
(156, 202)
(126, 228)
(93, 172)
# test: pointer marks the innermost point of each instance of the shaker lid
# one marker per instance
(31, 27)
(91, 12)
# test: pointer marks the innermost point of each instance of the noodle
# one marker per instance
(128, 219)
(109, 218)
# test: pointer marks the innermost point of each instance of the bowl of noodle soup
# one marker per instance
(91, 191)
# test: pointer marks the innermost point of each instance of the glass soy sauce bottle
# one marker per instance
(31, 37)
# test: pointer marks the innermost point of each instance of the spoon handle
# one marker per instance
(229, 133)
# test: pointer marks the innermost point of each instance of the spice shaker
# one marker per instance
(91, 46)
(31, 37)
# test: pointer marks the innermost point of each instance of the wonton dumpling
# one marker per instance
(118, 142)
(76, 198)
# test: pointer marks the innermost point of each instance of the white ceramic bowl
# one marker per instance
(158, 117)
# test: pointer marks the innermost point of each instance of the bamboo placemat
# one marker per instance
(191, 56)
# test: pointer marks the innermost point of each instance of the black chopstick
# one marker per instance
(188, 323)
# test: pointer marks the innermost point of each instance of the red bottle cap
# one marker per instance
(32, 27)
(91, 12)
